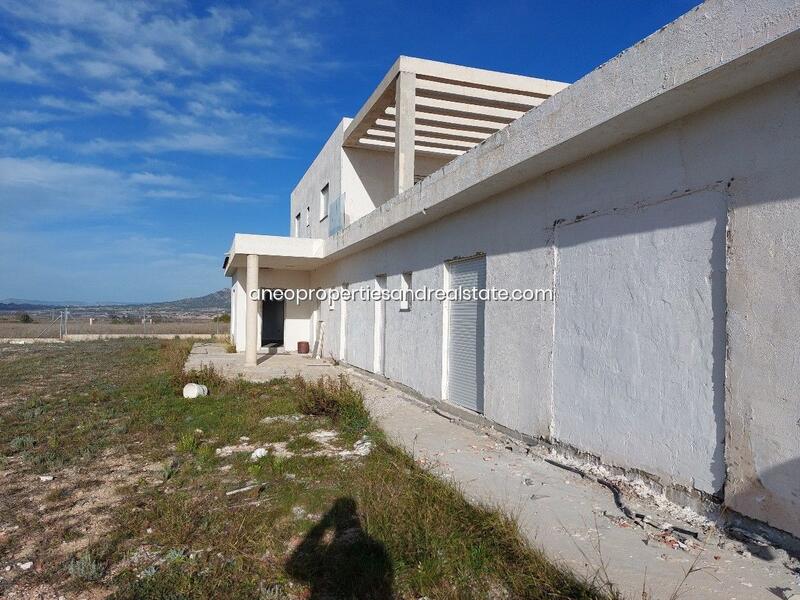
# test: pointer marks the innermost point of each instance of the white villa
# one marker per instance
(658, 197)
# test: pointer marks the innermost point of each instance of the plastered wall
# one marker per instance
(366, 177)
(671, 346)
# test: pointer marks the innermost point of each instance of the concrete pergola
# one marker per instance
(431, 108)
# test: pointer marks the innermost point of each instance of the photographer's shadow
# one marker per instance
(339, 560)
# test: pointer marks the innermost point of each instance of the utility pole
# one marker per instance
(66, 319)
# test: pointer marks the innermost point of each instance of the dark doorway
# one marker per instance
(272, 322)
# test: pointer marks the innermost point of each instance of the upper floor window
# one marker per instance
(297, 225)
(323, 202)
(308, 216)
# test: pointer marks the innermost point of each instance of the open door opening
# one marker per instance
(272, 315)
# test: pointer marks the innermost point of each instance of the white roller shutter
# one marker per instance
(465, 336)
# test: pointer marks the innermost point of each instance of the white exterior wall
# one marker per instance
(646, 218)
(366, 177)
(635, 345)
(326, 169)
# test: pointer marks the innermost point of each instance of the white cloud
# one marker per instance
(26, 117)
(147, 178)
(12, 69)
(13, 138)
(198, 75)
(35, 188)
(124, 99)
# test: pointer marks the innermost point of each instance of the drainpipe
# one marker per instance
(251, 324)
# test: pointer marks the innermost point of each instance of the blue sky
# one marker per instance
(137, 137)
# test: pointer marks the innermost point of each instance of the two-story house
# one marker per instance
(658, 198)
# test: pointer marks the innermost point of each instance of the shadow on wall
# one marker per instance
(772, 496)
(339, 560)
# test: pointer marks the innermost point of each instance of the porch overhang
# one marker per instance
(274, 252)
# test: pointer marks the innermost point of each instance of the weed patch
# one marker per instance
(85, 568)
(327, 508)
(334, 398)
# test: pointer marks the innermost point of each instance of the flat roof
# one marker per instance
(274, 251)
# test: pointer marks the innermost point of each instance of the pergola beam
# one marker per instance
(419, 149)
(437, 132)
(422, 140)
(463, 123)
(481, 77)
(476, 96)
(470, 111)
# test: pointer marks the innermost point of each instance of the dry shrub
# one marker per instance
(335, 398)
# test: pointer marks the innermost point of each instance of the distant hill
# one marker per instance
(219, 300)
(40, 303)
(23, 306)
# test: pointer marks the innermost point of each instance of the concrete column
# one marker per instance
(405, 100)
(251, 325)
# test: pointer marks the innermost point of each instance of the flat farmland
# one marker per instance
(15, 329)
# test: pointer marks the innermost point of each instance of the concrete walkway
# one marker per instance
(575, 521)
(269, 366)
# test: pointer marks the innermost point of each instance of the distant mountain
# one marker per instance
(23, 307)
(219, 300)
(40, 303)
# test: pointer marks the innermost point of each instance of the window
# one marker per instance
(308, 216)
(405, 288)
(323, 203)
(297, 225)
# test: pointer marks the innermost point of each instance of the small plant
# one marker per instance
(148, 572)
(205, 457)
(188, 442)
(271, 592)
(22, 442)
(25, 318)
(86, 568)
(276, 465)
(207, 376)
(169, 469)
(302, 443)
(175, 555)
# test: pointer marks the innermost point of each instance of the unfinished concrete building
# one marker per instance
(658, 197)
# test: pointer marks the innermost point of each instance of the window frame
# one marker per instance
(324, 201)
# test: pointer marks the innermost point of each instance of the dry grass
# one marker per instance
(141, 505)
